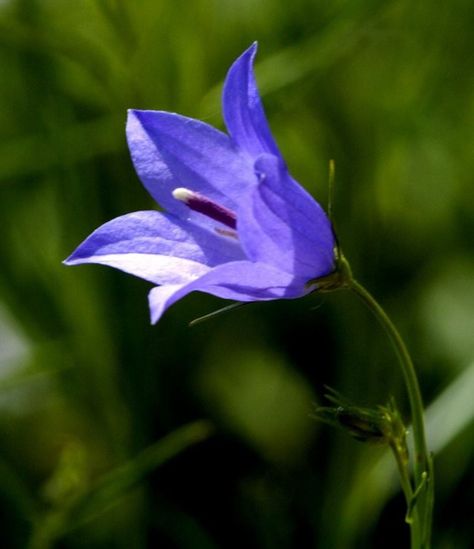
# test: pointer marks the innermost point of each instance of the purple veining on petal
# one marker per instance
(280, 224)
(243, 111)
(170, 151)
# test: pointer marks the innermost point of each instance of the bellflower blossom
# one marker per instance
(235, 223)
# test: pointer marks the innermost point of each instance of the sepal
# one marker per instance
(381, 424)
(340, 278)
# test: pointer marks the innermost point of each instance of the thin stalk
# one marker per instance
(404, 475)
(423, 470)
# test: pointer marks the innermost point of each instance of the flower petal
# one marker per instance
(171, 151)
(239, 280)
(243, 111)
(279, 223)
(157, 247)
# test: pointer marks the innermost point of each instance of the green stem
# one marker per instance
(405, 482)
(421, 525)
(404, 475)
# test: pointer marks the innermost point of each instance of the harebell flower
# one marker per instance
(235, 224)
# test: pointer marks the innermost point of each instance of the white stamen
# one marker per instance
(183, 195)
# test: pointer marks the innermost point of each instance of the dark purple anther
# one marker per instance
(206, 206)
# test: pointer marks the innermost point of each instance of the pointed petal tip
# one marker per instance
(137, 116)
(137, 112)
(78, 256)
(243, 111)
(73, 261)
(249, 53)
(132, 122)
(156, 304)
(133, 116)
(253, 47)
(131, 113)
(70, 260)
(154, 317)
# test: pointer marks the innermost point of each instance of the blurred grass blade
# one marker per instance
(124, 478)
(116, 484)
(15, 491)
(33, 154)
(293, 63)
(452, 411)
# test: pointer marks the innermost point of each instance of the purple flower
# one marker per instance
(235, 223)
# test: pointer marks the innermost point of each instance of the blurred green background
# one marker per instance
(115, 433)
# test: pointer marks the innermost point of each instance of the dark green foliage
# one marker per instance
(87, 385)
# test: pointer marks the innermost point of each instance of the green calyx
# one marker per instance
(340, 278)
(381, 424)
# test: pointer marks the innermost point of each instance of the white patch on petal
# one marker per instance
(159, 269)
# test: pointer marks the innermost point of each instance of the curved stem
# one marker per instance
(423, 471)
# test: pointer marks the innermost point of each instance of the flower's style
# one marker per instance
(235, 223)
